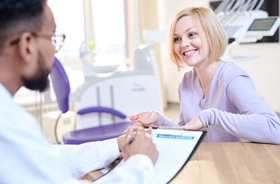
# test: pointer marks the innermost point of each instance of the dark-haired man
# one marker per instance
(28, 42)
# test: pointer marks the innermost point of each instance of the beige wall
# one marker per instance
(264, 70)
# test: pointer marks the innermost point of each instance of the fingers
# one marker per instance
(129, 137)
(139, 142)
(145, 132)
(130, 133)
(189, 126)
(149, 130)
(148, 117)
(133, 117)
(144, 118)
(134, 128)
(141, 130)
(194, 124)
(147, 146)
(143, 137)
(137, 125)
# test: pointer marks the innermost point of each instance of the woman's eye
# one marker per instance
(193, 34)
(176, 40)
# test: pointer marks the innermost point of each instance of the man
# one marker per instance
(28, 43)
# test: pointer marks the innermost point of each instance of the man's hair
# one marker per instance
(17, 16)
(215, 34)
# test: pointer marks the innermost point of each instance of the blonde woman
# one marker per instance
(215, 95)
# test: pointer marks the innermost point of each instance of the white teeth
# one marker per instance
(188, 52)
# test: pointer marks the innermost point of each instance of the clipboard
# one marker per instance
(176, 147)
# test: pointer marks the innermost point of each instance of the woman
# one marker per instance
(215, 95)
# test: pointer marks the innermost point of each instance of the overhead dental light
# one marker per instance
(244, 22)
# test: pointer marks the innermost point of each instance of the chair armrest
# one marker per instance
(99, 109)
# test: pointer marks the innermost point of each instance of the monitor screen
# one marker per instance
(264, 24)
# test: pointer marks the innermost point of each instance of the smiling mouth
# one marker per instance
(187, 53)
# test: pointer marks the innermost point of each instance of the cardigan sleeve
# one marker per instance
(256, 121)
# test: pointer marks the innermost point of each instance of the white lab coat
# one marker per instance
(27, 157)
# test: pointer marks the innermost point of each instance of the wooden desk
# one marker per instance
(226, 163)
(236, 163)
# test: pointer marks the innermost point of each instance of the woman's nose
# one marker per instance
(185, 43)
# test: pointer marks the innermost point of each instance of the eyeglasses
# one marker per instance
(57, 39)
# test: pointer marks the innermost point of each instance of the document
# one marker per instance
(175, 147)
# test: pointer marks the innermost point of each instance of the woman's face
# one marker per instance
(190, 42)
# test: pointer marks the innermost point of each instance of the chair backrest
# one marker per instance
(61, 85)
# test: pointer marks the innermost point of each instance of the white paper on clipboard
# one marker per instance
(175, 149)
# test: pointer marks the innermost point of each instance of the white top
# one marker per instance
(27, 157)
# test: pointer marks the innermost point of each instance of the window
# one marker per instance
(102, 21)
(69, 16)
(108, 30)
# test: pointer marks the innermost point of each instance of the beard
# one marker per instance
(40, 82)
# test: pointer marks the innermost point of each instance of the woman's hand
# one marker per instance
(194, 124)
(144, 118)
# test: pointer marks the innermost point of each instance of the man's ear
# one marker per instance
(27, 46)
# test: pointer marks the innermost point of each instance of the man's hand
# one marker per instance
(138, 142)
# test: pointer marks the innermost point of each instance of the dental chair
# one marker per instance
(131, 90)
(61, 86)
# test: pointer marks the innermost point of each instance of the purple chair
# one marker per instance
(61, 88)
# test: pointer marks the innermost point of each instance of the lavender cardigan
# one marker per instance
(232, 111)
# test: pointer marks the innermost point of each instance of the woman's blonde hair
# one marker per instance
(215, 34)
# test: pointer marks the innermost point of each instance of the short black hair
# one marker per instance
(20, 15)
